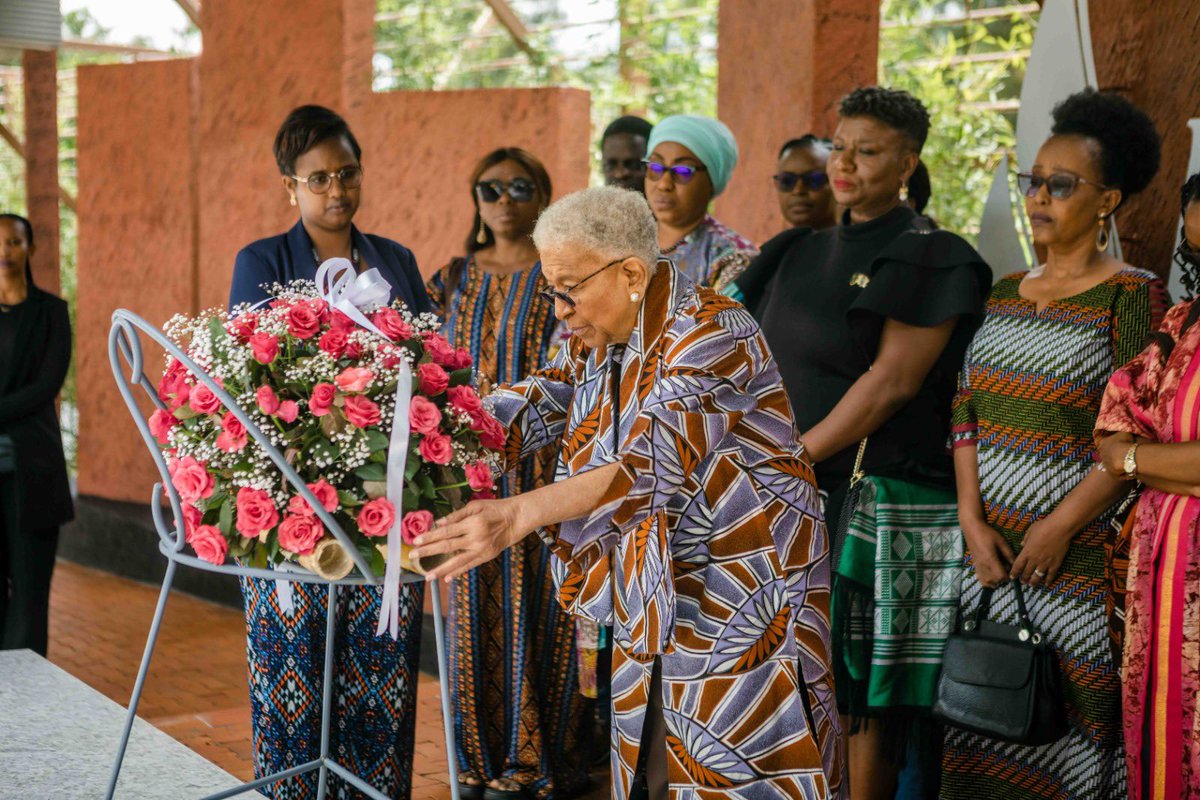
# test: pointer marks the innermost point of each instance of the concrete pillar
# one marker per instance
(784, 64)
(41, 161)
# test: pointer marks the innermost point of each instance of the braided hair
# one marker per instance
(1189, 276)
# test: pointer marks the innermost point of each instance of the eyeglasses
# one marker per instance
(1185, 255)
(1060, 185)
(812, 180)
(519, 189)
(319, 182)
(680, 173)
(553, 294)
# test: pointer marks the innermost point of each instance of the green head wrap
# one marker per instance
(709, 139)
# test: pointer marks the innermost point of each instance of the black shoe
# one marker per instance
(492, 793)
(470, 791)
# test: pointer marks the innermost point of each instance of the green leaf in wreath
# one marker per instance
(375, 488)
(333, 423)
(425, 486)
(347, 499)
(225, 520)
(372, 472)
(216, 330)
(377, 439)
(257, 558)
(462, 377)
(412, 465)
(410, 500)
(185, 413)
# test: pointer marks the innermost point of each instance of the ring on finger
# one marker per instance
(1039, 573)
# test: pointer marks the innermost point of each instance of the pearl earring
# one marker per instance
(293, 199)
(634, 297)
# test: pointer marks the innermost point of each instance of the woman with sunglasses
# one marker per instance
(805, 199)
(682, 514)
(690, 162)
(518, 711)
(376, 676)
(1033, 504)
(868, 322)
(1146, 433)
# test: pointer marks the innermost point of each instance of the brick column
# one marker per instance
(782, 67)
(41, 161)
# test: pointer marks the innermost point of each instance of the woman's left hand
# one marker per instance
(1043, 551)
(1112, 453)
(475, 534)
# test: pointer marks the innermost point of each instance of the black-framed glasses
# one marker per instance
(519, 189)
(680, 173)
(553, 294)
(1060, 185)
(1185, 255)
(812, 180)
(319, 182)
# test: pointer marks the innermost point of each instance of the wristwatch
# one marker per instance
(1130, 462)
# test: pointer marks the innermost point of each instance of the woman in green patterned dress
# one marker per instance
(1033, 506)
(517, 707)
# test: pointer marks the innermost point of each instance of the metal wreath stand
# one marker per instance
(124, 344)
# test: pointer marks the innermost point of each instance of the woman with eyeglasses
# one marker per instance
(1147, 433)
(1033, 504)
(690, 162)
(868, 322)
(805, 199)
(519, 715)
(375, 676)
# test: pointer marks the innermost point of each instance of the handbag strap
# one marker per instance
(1027, 630)
(858, 474)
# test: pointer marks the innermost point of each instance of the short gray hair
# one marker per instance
(606, 220)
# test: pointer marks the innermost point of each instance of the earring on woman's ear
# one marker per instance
(634, 297)
(481, 237)
(293, 199)
(904, 192)
(1102, 234)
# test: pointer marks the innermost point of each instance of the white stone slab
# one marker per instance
(58, 738)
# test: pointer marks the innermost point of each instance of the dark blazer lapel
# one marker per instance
(300, 249)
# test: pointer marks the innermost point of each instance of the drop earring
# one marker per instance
(293, 199)
(1102, 234)
(481, 237)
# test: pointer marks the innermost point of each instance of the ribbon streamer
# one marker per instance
(347, 292)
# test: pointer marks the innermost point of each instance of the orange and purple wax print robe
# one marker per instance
(708, 553)
(1157, 396)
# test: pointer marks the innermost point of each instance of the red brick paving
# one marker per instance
(196, 690)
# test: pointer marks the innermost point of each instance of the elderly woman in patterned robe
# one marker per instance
(684, 515)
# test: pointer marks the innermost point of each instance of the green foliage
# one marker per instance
(968, 73)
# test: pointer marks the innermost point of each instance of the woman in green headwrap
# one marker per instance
(691, 159)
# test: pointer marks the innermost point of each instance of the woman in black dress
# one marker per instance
(35, 496)
(868, 322)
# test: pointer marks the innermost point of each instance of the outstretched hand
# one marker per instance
(473, 535)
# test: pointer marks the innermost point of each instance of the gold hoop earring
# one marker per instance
(1102, 235)
(481, 237)
(904, 192)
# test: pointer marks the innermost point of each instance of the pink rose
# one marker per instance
(361, 411)
(392, 324)
(354, 379)
(423, 416)
(209, 544)
(439, 350)
(255, 512)
(432, 378)
(268, 403)
(191, 479)
(492, 434)
(321, 402)
(353, 351)
(233, 435)
(465, 399)
(264, 346)
(479, 476)
(174, 388)
(300, 534)
(304, 320)
(192, 518)
(462, 359)
(340, 322)
(333, 342)
(414, 524)
(161, 423)
(288, 411)
(203, 401)
(326, 496)
(376, 517)
(243, 327)
(390, 357)
(435, 448)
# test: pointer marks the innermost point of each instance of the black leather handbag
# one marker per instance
(1001, 681)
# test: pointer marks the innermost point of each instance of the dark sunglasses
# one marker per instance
(553, 294)
(681, 173)
(1185, 255)
(519, 189)
(1060, 185)
(812, 180)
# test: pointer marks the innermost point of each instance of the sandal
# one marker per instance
(504, 789)
(470, 788)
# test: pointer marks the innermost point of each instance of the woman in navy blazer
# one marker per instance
(376, 677)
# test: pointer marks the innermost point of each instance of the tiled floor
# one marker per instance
(196, 690)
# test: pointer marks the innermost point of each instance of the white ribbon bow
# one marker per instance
(347, 292)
